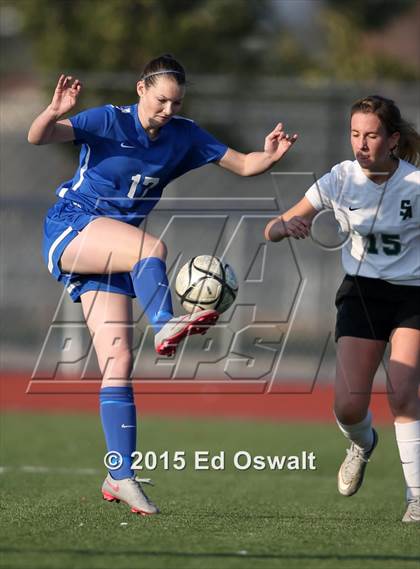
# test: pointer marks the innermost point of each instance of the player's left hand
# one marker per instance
(278, 142)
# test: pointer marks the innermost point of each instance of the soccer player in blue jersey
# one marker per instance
(93, 243)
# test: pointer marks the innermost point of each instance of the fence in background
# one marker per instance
(284, 314)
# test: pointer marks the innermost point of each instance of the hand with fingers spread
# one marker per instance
(277, 143)
(49, 126)
(65, 95)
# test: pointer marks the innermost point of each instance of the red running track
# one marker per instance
(246, 400)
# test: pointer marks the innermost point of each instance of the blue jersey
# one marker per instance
(122, 172)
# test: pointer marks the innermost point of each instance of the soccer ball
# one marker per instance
(205, 282)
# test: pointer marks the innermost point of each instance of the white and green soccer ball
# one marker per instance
(206, 282)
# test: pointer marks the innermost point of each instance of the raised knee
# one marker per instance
(150, 247)
(160, 250)
(153, 247)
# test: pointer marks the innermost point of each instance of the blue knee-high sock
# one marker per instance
(152, 290)
(118, 415)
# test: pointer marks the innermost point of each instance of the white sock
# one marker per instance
(408, 440)
(361, 433)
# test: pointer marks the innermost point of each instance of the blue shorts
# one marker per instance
(63, 223)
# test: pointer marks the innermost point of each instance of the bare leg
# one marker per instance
(357, 362)
(403, 395)
(404, 375)
(109, 319)
(109, 246)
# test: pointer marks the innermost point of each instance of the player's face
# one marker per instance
(160, 102)
(371, 143)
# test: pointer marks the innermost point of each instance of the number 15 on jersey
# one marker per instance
(389, 244)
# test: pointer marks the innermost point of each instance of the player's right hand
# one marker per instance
(297, 227)
(65, 95)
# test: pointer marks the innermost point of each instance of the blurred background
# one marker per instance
(250, 64)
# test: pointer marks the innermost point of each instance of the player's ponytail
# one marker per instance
(409, 144)
(164, 64)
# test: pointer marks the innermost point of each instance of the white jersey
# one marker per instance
(383, 221)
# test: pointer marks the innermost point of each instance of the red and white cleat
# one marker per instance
(129, 491)
(178, 328)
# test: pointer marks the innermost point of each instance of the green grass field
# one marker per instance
(220, 519)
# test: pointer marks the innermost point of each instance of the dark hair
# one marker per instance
(390, 116)
(160, 65)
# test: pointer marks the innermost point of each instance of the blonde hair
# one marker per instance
(409, 144)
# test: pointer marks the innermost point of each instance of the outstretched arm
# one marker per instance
(277, 143)
(295, 222)
(47, 127)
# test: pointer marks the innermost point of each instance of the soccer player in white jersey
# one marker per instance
(377, 199)
(92, 240)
